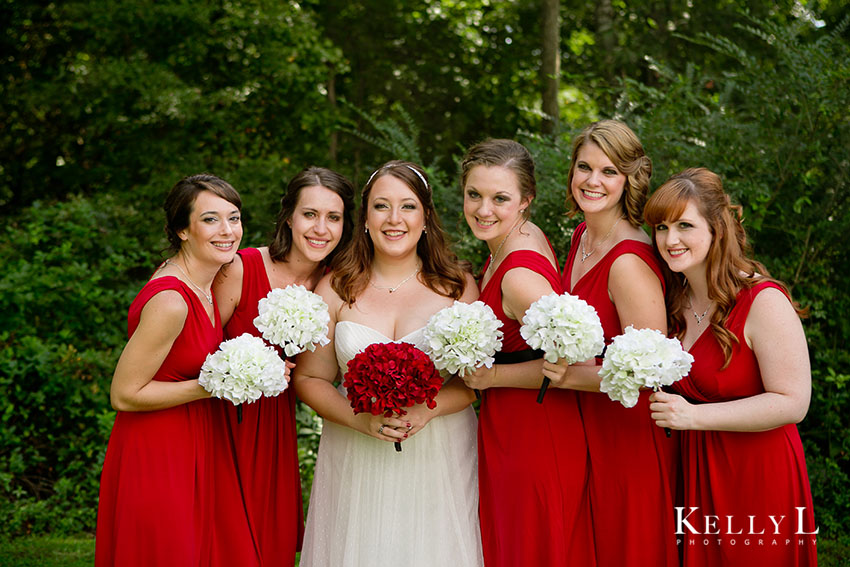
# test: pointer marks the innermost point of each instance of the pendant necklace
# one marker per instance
(207, 296)
(699, 317)
(585, 255)
(495, 255)
(401, 283)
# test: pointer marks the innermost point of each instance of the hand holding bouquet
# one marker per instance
(563, 326)
(642, 358)
(294, 319)
(385, 378)
(242, 370)
(463, 337)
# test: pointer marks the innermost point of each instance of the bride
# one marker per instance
(370, 505)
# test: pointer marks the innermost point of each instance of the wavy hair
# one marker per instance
(181, 198)
(281, 241)
(441, 271)
(729, 264)
(504, 153)
(625, 151)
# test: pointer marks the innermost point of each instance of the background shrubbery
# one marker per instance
(106, 104)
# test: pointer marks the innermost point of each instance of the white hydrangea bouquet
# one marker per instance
(242, 370)
(562, 326)
(641, 358)
(463, 337)
(293, 318)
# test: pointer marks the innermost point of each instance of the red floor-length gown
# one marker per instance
(741, 474)
(264, 445)
(155, 495)
(633, 465)
(532, 457)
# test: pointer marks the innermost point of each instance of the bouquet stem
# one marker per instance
(397, 446)
(543, 387)
(238, 413)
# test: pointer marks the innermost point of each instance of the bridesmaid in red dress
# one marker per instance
(156, 494)
(314, 222)
(532, 457)
(611, 265)
(749, 386)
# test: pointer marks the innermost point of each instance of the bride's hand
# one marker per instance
(386, 428)
(416, 419)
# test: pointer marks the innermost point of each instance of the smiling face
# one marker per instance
(492, 202)
(597, 185)
(316, 223)
(214, 231)
(684, 243)
(395, 217)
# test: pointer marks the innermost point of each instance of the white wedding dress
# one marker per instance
(371, 506)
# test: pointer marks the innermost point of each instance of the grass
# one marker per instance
(47, 551)
(54, 551)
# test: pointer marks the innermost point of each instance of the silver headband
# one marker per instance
(414, 170)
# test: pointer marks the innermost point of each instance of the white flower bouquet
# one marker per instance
(463, 337)
(293, 318)
(242, 370)
(641, 358)
(562, 326)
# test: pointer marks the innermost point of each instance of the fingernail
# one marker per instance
(405, 435)
(409, 425)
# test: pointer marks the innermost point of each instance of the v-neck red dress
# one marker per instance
(264, 445)
(532, 458)
(742, 475)
(633, 465)
(155, 490)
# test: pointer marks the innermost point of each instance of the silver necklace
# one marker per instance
(499, 249)
(401, 283)
(585, 255)
(699, 317)
(207, 296)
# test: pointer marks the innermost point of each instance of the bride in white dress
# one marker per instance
(372, 506)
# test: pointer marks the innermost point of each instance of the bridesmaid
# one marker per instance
(612, 266)
(156, 494)
(532, 458)
(314, 223)
(749, 386)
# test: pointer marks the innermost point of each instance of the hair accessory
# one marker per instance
(414, 170)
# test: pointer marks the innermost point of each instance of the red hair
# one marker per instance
(729, 264)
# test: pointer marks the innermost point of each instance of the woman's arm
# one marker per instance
(520, 288)
(636, 292)
(133, 387)
(227, 288)
(774, 332)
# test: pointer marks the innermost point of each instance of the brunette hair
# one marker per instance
(625, 151)
(180, 200)
(281, 241)
(440, 269)
(729, 264)
(508, 154)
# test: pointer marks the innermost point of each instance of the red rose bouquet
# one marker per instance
(385, 378)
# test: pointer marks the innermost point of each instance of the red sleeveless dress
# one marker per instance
(633, 465)
(532, 458)
(264, 445)
(155, 492)
(742, 474)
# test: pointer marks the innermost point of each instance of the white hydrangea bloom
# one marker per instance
(563, 326)
(293, 318)
(641, 358)
(243, 369)
(463, 337)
